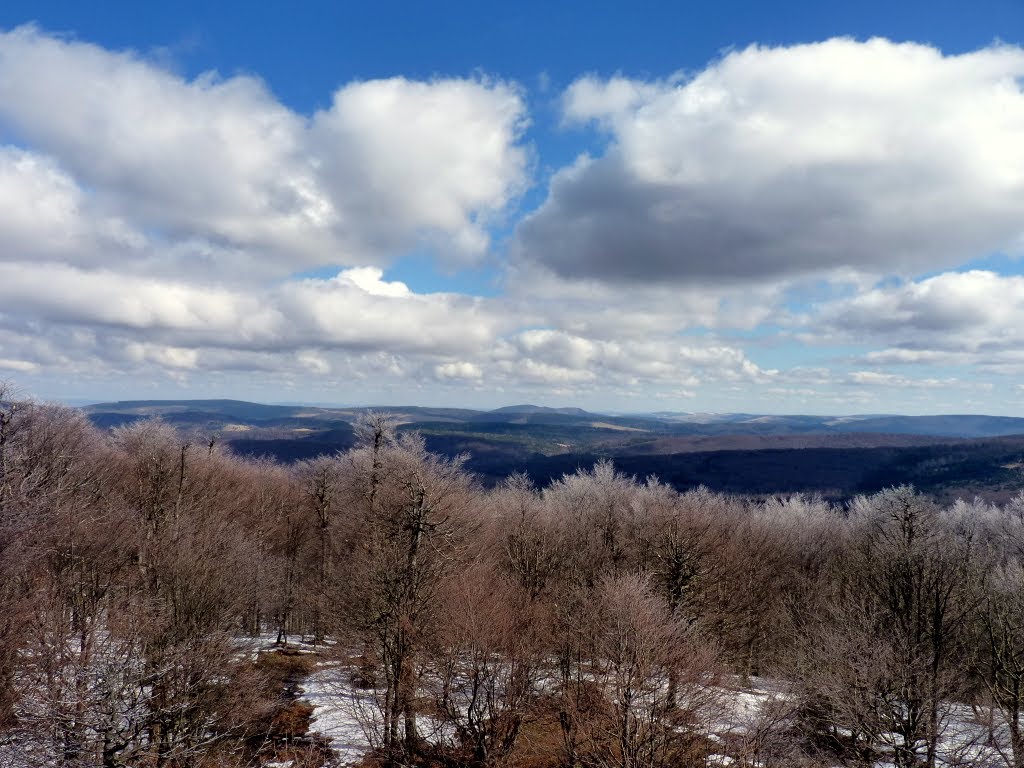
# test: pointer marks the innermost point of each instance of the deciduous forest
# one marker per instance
(163, 603)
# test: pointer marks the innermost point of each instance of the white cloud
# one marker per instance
(897, 356)
(340, 313)
(162, 355)
(608, 310)
(423, 156)
(938, 319)
(21, 366)
(556, 356)
(199, 231)
(313, 362)
(458, 370)
(872, 156)
(61, 293)
(38, 206)
(45, 215)
(878, 379)
(391, 165)
(356, 326)
(590, 98)
(354, 310)
(369, 280)
(153, 223)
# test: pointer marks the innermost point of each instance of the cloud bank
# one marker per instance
(773, 163)
(787, 228)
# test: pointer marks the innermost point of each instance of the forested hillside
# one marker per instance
(162, 603)
(836, 457)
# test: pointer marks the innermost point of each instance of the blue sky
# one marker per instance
(729, 206)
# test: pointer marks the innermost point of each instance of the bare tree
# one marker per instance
(486, 662)
(1001, 660)
(410, 503)
(532, 546)
(595, 507)
(320, 479)
(879, 663)
(639, 648)
(195, 581)
(13, 553)
(8, 409)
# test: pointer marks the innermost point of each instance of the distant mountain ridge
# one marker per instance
(209, 411)
(837, 456)
(540, 409)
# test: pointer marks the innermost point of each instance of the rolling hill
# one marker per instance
(738, 453)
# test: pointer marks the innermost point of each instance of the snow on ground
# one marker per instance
(343, 713)
(746, 707)
(266, 642)
(968, 740)
(350, 717)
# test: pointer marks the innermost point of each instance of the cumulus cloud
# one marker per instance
(433, 157)
(200, 230)
(353, 310)
(45, 215)
(392, 164)
(589, 98)
(605, 311)
(559, 357)
(155, 223)
(871, 157)
(458, 370)
(950, 317)
(355, 326)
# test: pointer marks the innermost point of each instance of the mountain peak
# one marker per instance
(526, 408)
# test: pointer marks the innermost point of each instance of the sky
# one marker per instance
(789, 207)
